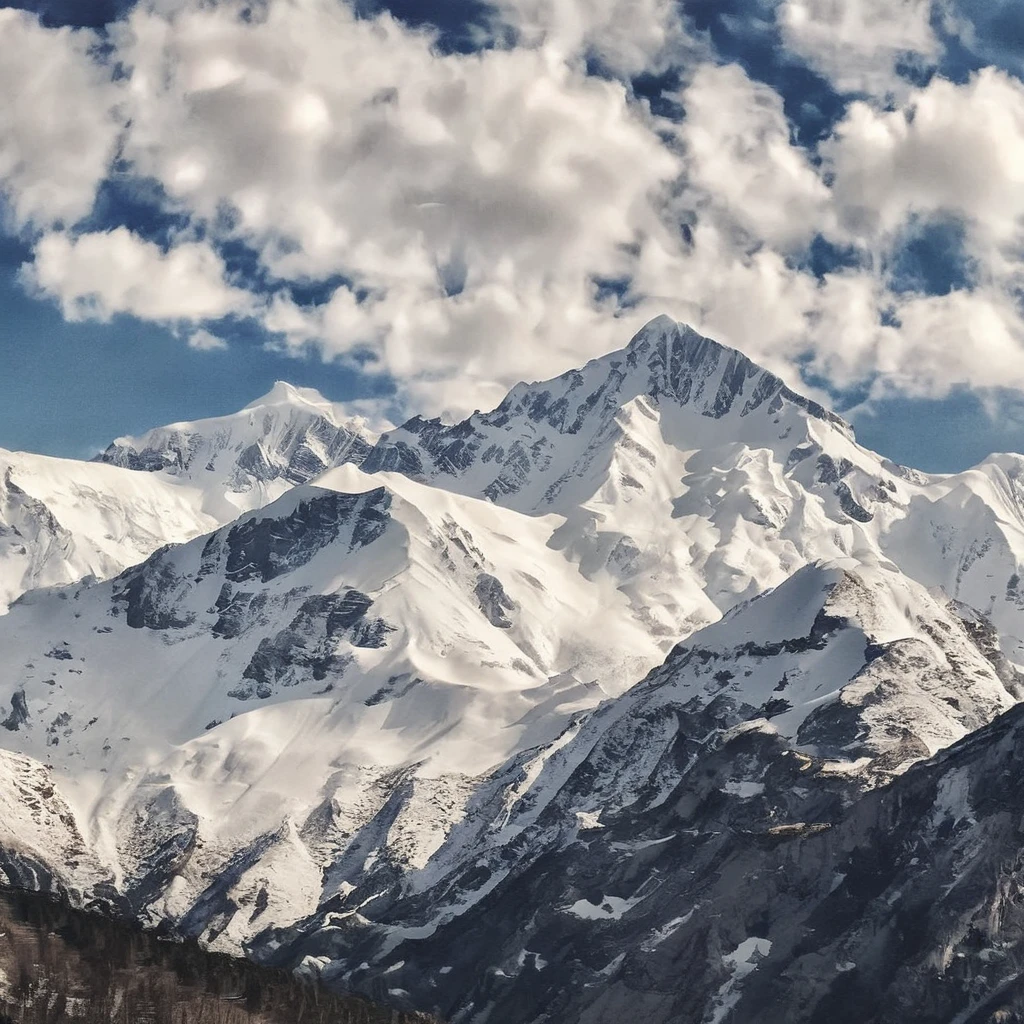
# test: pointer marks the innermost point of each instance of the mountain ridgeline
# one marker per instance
(648, 693)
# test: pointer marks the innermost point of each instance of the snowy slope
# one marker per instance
(683, 868)
(62, 520)
(394, 678)
(793, 705)
(325, 696)
(311, 650)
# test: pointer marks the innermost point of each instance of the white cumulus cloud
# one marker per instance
(98, 274)
(742, 161)
(203, 340)
(469, 220)
(953, 150)
(860, 44)
(58, 121)
(469, 200)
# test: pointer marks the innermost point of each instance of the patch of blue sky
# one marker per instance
(745, 32)
(971, 425)
(938, 435)
(70, 388)
(614, 292)
(93, 14)
(658, 89)
(141, 204)
(980, 33)
(931, 257)
(462, 26)
(823, 257)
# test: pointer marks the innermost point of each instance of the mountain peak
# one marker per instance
(660, 324)
(285, 437)
(283, 393)
(670, 350)
(669, 362)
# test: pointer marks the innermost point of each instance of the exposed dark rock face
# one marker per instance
(986, 638)
(58, 727)
(152, 595)
(851, 506)
(146, 461)
(393, 458)
(831, 472)
(790, 900)
(19, 712)
(256, 551)
(307, 648)
(494, 602)
(238, 609)
(32, 514)
(214, 908)
(154, 844)
(396, 687)
(177, 452)
(265, 548)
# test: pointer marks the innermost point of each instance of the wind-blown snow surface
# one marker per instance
(62, 520)
(394, 677)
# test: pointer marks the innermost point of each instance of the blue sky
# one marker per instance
(197, 201)
(71, 387)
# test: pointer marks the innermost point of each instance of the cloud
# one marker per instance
(741, 160)
(203, 341)
(468, 200)
(628, 36)
(860, 45)
(973, 336)
(949, 149)
(467, 220)
(952, 154)
(58, 123)
(99, 274)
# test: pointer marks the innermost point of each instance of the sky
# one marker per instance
(412, 205)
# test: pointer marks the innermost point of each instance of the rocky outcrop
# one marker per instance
(266, 548)
(19, 712)
(308, 647)
(494, 602)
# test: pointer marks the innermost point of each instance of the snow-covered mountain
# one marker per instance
(62, 520)
(248, 459)
(697, 479)
(655, 840)
(440, 711)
